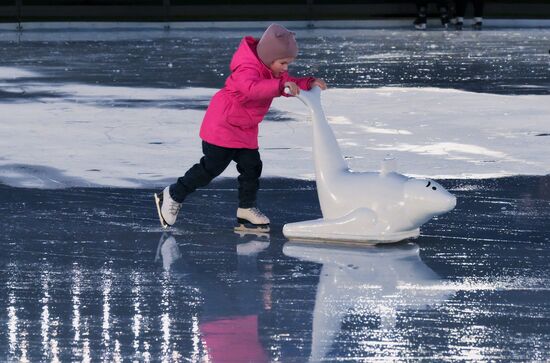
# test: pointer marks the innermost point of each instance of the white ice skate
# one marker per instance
(251, 219)
(167, 208)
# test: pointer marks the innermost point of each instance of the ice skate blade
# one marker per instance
(251, 228)
(255, 233)
(158, 200)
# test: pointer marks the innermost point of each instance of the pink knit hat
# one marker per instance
(277, 42)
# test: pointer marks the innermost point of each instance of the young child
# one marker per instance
(229, 130)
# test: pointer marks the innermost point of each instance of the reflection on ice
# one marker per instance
(15, 337)
(106, 312)
(219, 337)
(217, 292)
(76, 284)
(137, 317)
(251, 248)
(168, 251)
(45, 321)
(367, 281)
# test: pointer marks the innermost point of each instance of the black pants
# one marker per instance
(461, 8)
(213, 163)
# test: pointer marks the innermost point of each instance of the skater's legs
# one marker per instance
(249, 166)
(443, 12)
(212, 164)
(421, 19)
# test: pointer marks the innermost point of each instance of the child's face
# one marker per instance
(280, 65)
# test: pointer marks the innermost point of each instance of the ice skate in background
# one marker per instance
(369, 207)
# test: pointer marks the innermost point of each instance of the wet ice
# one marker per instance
(99, 278)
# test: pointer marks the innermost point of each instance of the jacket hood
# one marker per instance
(246, 54)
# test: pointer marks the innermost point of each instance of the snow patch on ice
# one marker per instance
(80, 136)
(444, 148)
(14, 73)
(377, 130)
(338, 120)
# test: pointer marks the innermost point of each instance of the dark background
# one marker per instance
(181, 10)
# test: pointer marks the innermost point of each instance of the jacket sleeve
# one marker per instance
(249, 82)
(302, 82)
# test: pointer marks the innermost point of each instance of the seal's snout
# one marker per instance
(451, 203)
(443, 200)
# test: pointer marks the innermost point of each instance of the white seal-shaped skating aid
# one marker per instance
(376, 207)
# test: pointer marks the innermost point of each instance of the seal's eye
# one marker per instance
(429, 183)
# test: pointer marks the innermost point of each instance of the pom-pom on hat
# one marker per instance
(277, 42)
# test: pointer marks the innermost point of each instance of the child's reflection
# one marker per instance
(229, 321)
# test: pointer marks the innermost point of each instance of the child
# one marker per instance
(229, 130)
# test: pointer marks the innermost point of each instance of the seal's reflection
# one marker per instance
(228, 323)
(366, 280)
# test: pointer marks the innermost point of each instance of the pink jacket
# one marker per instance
(235, 111)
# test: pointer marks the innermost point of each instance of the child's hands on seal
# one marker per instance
(319, 83)
(292, 87)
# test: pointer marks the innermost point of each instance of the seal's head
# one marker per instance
(425, 199)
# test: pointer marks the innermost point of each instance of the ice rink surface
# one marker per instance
(501, 61)
(87, 274)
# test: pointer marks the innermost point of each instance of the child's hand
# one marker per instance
(319, 83)
(293, 87)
